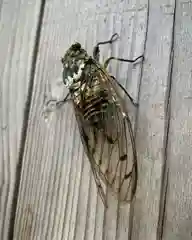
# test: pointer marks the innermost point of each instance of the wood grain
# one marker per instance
(152, 120)
(18, 26)
(178, 212)
(58, 197)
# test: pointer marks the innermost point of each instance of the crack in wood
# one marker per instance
(25, 123)
(165, 167)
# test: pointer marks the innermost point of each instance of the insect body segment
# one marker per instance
(103, 121)
(73, 64)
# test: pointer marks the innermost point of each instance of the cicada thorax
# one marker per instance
(90, 97)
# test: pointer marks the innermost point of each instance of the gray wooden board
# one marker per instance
(58, 197)
(151, 119)
(18, 25)
(178, 212)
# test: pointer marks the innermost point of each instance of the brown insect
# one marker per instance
(103, 121)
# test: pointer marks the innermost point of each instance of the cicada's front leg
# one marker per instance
(60, 102)
(96, 50)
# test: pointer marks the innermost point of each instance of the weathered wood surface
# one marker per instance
(18, 25)
(178, 211)
(57, 197)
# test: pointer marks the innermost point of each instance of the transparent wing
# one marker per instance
(87, 134)
(111, 147)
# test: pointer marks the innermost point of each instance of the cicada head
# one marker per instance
(73, 64)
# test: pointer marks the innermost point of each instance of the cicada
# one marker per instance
(103, 121)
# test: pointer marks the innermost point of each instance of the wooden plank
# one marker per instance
(58, 197)
(18, 26)
(131, 26)
(152, 120)
(178, 213)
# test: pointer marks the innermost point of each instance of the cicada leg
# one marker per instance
(106, 63)
(96, 50)
(61, 102)
(125, 91)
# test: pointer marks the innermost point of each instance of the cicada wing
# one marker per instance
(121, 173)
(109, 144)
(89, 137)
(118, 160)
(110, 152)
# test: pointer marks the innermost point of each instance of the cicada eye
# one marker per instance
(76, 46)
